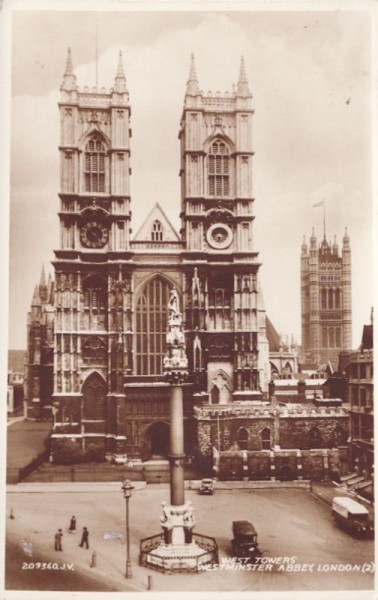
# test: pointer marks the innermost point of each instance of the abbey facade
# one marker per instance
(111, 291)
(97, 330)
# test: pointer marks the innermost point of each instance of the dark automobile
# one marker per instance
(244, 543)
(352, 516)
(207, 486)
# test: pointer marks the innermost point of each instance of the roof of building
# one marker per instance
(367, 337)
(272, 336)
(308, 366)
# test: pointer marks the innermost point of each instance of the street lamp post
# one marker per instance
(127, 489)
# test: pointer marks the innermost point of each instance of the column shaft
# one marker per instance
(177, 446)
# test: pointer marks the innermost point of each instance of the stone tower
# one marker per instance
(326, 299)
(40, 344)
(92, 291)
(112, 292)
(225, 315)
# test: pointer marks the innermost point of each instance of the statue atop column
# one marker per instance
(174, 316)
(175, 361)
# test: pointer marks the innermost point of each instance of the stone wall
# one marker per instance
(295, 432)
(282, 465)
(288, 429)
(304, 442)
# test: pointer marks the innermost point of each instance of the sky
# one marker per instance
(311, 78)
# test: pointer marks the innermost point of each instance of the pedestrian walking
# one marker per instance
(84, 538)
(72, 527)
(58, 540)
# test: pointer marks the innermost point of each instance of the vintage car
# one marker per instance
(120, 459)
(244, 543)
(352, 516)
(207, 487)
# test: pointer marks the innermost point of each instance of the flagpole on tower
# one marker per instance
(96, 43)
(318, 204)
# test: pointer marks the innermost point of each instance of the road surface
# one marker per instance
(302, 547)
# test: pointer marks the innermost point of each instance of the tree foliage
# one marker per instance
(67, 452)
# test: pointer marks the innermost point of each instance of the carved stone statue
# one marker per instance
(166, 523)
(175, 359)
(174, 315)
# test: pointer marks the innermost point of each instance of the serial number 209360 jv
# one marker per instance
(48, 566)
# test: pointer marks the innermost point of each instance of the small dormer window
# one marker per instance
(157, 231)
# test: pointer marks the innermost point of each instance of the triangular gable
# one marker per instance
(156, 214)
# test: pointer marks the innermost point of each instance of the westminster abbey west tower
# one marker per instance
(111, 291)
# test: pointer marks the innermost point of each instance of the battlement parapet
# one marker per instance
(250, 412)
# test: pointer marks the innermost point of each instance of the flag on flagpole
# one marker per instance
(321, 203)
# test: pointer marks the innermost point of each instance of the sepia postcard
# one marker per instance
(188, 285)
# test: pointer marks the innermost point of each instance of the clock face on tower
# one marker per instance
(219, 236)
(94, 234)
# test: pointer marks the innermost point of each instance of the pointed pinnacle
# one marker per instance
(192, 84)
(42, 281)
(51, 291)
(192, 72)
(69, 78)
(243, 86)
(36, 301)
(69, 68)
(242, 74)
(120, 69)
(120, 78)
(346, 238)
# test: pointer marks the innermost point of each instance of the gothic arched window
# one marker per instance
(274, 373)
(218, 169)
(337, 298)
(324, 337)
(330, 299)
(315, 438)
(94, 165)
(265, 439)
(156, 231)
(340, 437)
(151, 327)
(324, 298)
(243, 438)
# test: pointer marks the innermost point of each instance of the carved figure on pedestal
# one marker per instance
(189, 522)
(174, 315)
(166, 523)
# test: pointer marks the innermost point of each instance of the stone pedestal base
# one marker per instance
(182, 557)
(177, 523)
(177, 550)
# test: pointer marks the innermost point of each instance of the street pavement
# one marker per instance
(295, 527)
(49, 578)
